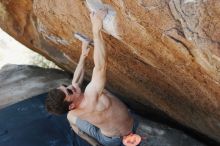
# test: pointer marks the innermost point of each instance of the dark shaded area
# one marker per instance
(27, 123)
(161, 117)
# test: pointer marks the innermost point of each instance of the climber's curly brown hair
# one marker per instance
(55, 102)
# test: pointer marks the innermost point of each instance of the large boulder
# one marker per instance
(22, 82)
(163, 54)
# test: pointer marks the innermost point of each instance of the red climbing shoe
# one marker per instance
(131, 140)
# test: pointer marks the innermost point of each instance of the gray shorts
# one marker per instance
(95, 132)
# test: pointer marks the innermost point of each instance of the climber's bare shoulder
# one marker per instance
(109, 114)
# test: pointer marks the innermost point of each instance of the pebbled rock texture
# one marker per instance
(166, 55)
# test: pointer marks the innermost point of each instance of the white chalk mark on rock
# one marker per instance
(189, 1)
(58, 40)
(109, 22)
(65, 55)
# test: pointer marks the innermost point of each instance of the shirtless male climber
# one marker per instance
(96, 112)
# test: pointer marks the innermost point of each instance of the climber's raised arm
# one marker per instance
(80, 69)
(96, 86)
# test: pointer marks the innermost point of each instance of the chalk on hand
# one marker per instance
(109, 22)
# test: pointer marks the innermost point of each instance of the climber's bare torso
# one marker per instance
(107, 113)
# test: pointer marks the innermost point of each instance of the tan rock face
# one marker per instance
(166, 55)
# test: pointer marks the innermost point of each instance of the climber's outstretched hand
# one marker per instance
(97, 19)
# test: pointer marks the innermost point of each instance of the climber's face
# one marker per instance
(72, 95)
